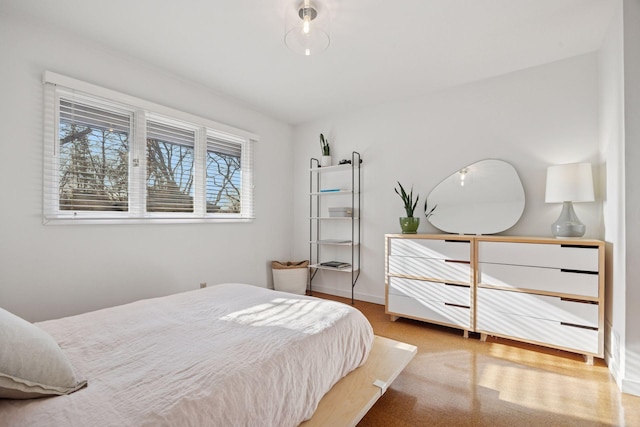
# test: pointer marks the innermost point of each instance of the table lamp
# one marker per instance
(567, 184)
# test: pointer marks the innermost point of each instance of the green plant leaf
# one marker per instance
(324, 145)
(407, 199)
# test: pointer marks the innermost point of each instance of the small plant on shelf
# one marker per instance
(325, 160)
(324, 146)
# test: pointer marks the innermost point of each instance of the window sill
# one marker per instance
(93, 220)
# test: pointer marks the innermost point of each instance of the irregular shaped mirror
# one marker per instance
(485, 197)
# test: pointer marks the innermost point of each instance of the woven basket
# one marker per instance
(290, 276)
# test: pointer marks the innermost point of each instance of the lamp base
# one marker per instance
(568, 224)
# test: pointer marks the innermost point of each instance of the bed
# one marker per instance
(228, 355)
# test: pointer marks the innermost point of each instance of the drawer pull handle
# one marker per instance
(578, 301)
(573, 325)
(450, 304)
(568, 270)
(458, 285)
(579, 246)
(457, 261)
(456, 241)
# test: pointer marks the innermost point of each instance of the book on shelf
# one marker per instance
(335, 264)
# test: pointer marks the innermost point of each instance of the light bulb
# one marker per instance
(305, 25)
(307, 52)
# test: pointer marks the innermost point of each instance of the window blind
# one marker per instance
(224, 176)
(247, 180)
(92, 157)
(170, 162)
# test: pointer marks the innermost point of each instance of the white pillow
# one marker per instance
(31, 362)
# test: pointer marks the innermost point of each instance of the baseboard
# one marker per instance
(347, 294)
(626, 386)
(614, 368)
(612, 353)
(631, 387)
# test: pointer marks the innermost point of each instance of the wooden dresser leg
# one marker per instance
(483, 337)
(394, 318)
(588, 359)
(465, 334)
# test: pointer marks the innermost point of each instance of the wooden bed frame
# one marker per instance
(352, 397)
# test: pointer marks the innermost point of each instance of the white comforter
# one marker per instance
(228, 355)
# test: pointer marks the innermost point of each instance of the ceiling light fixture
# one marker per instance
(306, 30)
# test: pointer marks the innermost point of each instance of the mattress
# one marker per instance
(227, 355)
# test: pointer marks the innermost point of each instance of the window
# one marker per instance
(113, 158)
(93, 153)
(170, 160)
(224, 184)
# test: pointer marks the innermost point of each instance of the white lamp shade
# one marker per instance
(569, 183)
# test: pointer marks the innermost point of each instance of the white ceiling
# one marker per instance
(381, 50)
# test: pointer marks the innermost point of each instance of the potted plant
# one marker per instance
(409, 224)
(325, 160)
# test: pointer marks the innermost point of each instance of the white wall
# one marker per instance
(619, 68)
(611, 119)
(631, 380)
(52, 271)
(531, 118)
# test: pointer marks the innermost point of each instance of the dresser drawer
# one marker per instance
(539, 279)
(423, 291)
(540, 331)
(438, 269)
(493, 301)
(459, 250)
(571, 257)
(434, 311)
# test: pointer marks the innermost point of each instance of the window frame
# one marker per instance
(51, 176)
(141, 111)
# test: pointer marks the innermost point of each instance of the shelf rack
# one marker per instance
(317, 222)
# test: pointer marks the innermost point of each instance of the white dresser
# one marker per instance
(430, 278)
(542, 291)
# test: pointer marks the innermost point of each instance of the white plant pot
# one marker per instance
(325, 161)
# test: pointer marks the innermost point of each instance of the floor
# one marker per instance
(454, 381)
